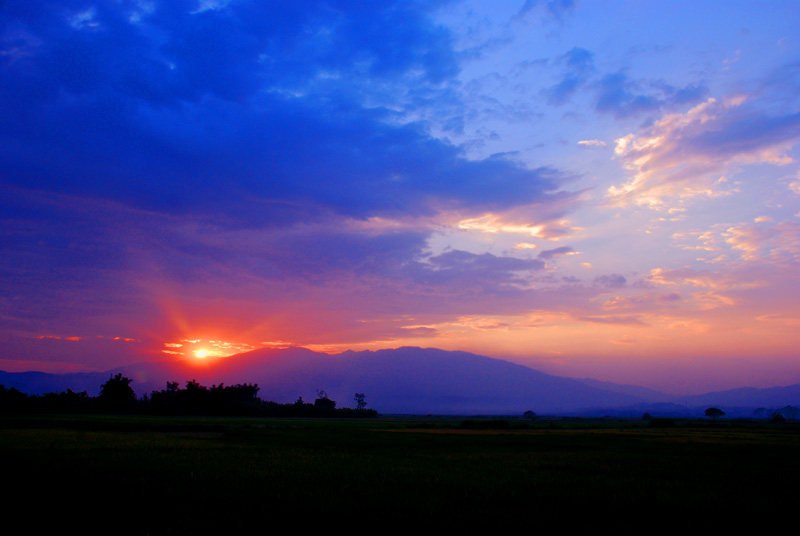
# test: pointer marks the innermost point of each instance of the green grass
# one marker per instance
(195, 475)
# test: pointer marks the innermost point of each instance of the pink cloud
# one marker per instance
(688, 155)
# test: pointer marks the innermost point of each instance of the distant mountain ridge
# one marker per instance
(408, 380)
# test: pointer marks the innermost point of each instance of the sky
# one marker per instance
(605, 189)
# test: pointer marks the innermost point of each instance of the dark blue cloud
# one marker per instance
(616, 97)
(235, 153)
(486, 263)
(622, 97)
(557, 9)
(183, 111)
(459, 271)
(746, 129)
(175, 53)
(560, 8)
(579, 66)
(690, 94)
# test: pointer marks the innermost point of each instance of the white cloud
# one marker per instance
(84, 19)
(592, 143)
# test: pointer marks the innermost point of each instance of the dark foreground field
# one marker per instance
(206, 475)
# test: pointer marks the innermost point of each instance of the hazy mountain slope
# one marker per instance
(38, 383)
(748, 396)
(429, 380)
(402, 380)
(649, 395)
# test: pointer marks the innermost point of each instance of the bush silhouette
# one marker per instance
(117, 394)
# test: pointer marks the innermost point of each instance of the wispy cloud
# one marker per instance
(592, 143)
(779, 242)
(622, 97)
(578, 66)
(557, 252)
(688, 155)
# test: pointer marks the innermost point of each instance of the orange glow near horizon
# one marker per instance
(200, 350)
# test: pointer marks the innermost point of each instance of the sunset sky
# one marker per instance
(604, 189)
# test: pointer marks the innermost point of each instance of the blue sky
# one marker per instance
(604, 189)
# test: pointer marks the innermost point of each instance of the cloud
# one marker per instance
(467, 270)
(794, 186)
(610, 281)
(620, 96)
(540, 220)
(188, 143)
(712, 300)
(764, 240)
(688, 155)
(557, 9)
(84, 20)
(592, 143)
(615, 97)
(578, 67)
(776, 243)
(256, 116)
(616, 93)
(614, 319)
(720, 280)
(642, 302)
(557, 252)
(169, 277)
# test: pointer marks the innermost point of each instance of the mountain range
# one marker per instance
(413, 380)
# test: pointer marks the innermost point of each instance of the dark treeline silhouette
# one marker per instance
(117, 397)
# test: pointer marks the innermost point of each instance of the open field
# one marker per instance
(192, 475)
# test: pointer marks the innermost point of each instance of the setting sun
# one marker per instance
(198, 349)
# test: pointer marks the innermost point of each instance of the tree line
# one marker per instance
(118, 397)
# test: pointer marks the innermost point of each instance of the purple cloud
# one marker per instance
(552, 253)
(610, 281)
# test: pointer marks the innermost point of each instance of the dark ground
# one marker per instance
(146, 475)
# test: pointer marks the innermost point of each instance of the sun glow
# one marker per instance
(204, 351)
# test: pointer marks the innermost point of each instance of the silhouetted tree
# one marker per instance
(323, 402)
(789, 412)
(117, 394)
(714, 413)
(12, 400)
(195, 399)
(360, 402)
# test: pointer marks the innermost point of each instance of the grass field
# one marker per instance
(205, 475)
